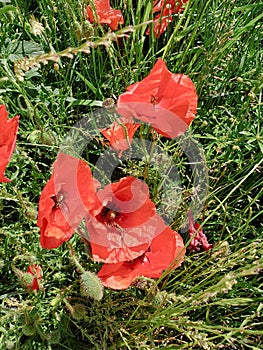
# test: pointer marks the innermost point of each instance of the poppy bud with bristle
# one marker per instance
(91, 285)
(27, 279)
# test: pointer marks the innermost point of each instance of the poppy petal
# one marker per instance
(35, 271)
(166, 101)
(167, 9)
(63, 203)
(104, 14)
(119, 276)
(120, 134)
(8, 133)
(166, 250)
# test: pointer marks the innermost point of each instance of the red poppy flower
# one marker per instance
(35, 271)
(165, 100)
(199, 241)
(165, 251)
(8, 132)
(104, 14)
(120, 134)
(124, 221)
(166, 8)
(64, 200)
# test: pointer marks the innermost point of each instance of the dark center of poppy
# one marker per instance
(59, 198)
(140, 259)
(154, 99)
(108, 216)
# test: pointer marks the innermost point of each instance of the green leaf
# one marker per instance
(76, 102)
(6, 9)
(23, 48)
(88, 83)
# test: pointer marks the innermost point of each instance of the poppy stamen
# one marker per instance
(108, 216)
(59, 199)
(154, 99)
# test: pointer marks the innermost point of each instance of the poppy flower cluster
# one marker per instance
(8, 133)
(101, 12)
(165, 10)
(125, 231)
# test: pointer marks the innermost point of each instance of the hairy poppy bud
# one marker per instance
(91, 285)
(27, 279)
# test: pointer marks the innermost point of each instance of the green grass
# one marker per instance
(214, 300)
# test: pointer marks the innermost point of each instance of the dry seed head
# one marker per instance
(36, 27)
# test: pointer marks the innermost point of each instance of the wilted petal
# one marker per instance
(199, 241)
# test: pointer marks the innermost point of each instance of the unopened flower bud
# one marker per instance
(27, 279)
(53, 337)
(91, 285)
(252, 95)
(30, 213)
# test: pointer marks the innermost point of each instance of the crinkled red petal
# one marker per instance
(135, 225)
(166, 251)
